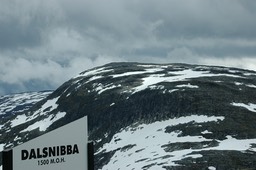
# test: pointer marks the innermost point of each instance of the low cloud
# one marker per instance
(25, 75)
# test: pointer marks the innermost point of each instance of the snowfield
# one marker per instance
(146, 143)
(49, 106)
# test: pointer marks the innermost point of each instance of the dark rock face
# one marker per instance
(148, 116)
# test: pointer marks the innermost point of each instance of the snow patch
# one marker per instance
(187, 86)
(251, 107)
(205, 132)
(20, 119)
(249, 74)
(149, 70)
(238, 83)
(94, 78)
(194, 156)
(17, 138)
(93, 72)
(51, 103)
(235, 144)
(211, 168)
(45, 123)
(251, 85)
(100, 88)
(47, 107)
(2, 147)
(156, 87)
(173, 90)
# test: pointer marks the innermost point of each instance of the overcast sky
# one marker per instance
(45, 43)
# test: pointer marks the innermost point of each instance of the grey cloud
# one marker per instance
(12, 36)
(208, 19)
(113, 22)
(66, 37)
(25, 24)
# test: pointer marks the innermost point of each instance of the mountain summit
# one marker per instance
(153, 116)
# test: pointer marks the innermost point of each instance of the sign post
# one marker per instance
(64, 148)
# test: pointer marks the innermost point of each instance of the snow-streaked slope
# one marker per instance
(176, 76)
(136, 145)
(145, 145)
(152, 74)
(13, 109)
(20, 102)
(43, 124)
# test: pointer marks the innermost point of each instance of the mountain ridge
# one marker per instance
(214, 105)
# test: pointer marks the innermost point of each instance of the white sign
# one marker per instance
(62, 149)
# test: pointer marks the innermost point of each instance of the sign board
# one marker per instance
(62, 149)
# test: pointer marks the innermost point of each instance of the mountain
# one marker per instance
(152, 116)
(18, 103)
(12, 108)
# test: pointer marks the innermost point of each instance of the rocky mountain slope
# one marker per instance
(151, 116)
(12, 108)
